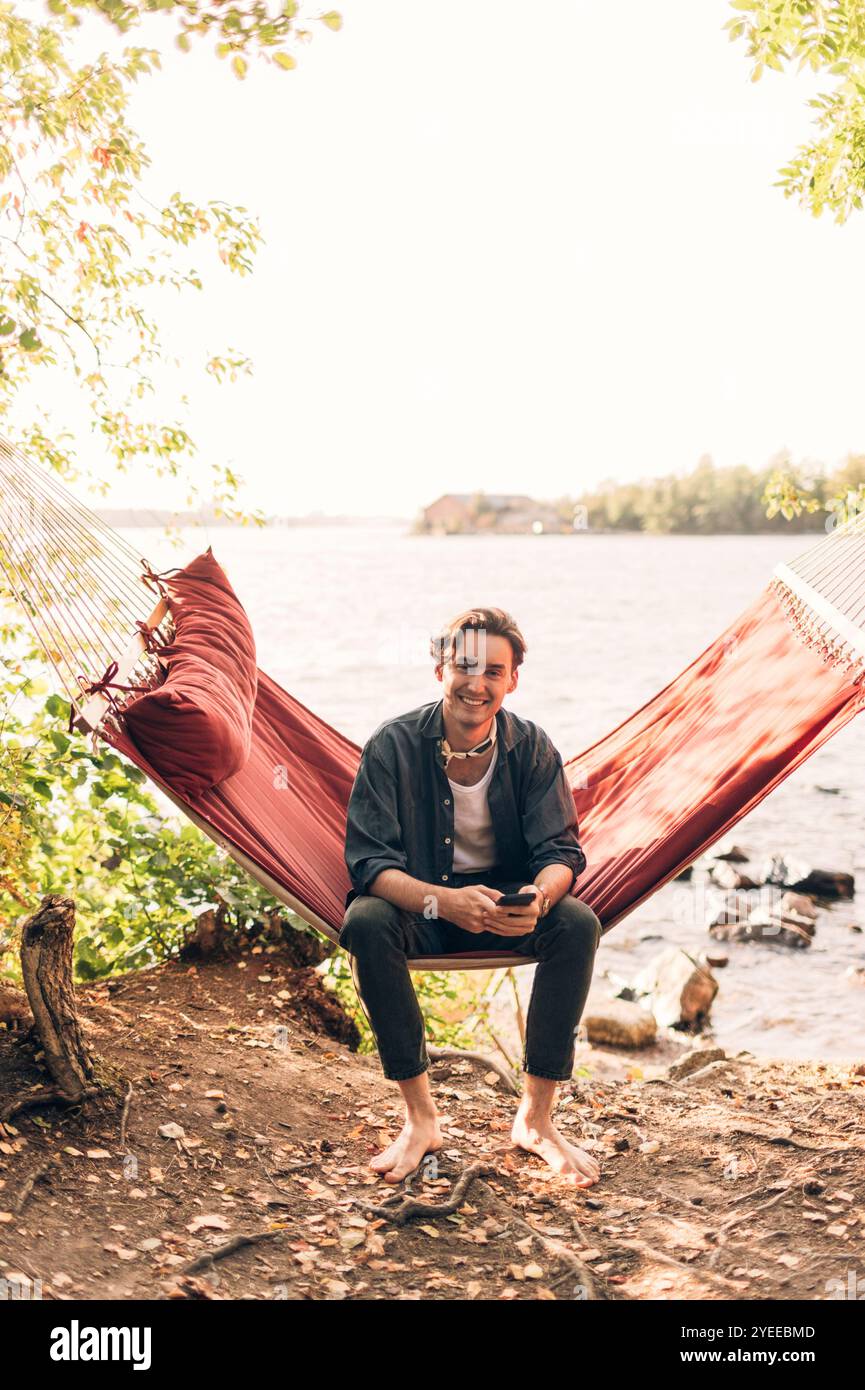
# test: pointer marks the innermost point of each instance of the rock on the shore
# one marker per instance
(619, 1024)
(802, 878)
(776, 928)
(727, 877)
(733, 854)
(680, 989)
(826, 883)
(716, 960)
(799, 903)
(726, 908)
(695, 1059)
(717, 1072)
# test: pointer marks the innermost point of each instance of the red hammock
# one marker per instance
(650, 796)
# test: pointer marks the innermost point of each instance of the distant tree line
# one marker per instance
(779, 497)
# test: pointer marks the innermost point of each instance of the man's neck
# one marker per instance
(461, 739)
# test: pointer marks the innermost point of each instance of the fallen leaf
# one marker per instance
(170, 1131)
(210, 1223)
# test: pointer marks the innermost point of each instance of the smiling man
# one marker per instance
(456, 804)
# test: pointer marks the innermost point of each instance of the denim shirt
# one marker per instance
(401, 813)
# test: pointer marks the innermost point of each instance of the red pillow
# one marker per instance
(196, 728)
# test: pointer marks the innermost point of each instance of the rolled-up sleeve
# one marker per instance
(373, 838)
(550, 826)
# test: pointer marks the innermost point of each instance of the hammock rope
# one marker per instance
(651, 795)
(823, 593)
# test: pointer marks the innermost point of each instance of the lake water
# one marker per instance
(343, 617)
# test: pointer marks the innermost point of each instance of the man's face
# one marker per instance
(476, 678)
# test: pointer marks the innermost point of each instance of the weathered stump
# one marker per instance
(46, 965)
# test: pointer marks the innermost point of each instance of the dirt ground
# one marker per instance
(742, 1180)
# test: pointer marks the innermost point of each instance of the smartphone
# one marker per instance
(515, 899)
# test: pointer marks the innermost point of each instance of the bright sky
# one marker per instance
(511, 248)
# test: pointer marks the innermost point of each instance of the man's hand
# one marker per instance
(515, 921)
(469, 907)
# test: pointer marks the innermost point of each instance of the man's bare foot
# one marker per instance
(538, 1134)
(419, 1135)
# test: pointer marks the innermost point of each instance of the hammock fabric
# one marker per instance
(650, 796)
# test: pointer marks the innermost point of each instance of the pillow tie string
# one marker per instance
(103, 686)
(152, 640)
(153, 579)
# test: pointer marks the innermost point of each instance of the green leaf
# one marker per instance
(333, 20)
(7, 325)
(60, 741)
(238, 65)
(285, 60)
(30, 340)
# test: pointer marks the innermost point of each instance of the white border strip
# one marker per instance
(851, 634)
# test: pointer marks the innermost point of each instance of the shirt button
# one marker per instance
(447, 839)
(444, 876)
(447, 801)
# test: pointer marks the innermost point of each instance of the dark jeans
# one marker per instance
(381, 938)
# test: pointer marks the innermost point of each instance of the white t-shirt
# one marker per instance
(474, 841)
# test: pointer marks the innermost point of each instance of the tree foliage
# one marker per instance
(739, 499)
(823, 36)
(77, 819)
(828, 172)
(85, 250)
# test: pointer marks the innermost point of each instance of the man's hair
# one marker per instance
(494, 622)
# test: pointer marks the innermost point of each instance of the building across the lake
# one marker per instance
(506, 513)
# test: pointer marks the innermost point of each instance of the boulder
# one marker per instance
(727, 877)
(717, 1073)
(799, 903)
(618, 1023)
(717, 960)
(733, 854)
(680, 990)
(800, 877)
(826, 883)
(781, 871)
(724, 908)
(766, 926)
(695, 1059)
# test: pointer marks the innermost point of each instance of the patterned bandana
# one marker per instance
(479, 749)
